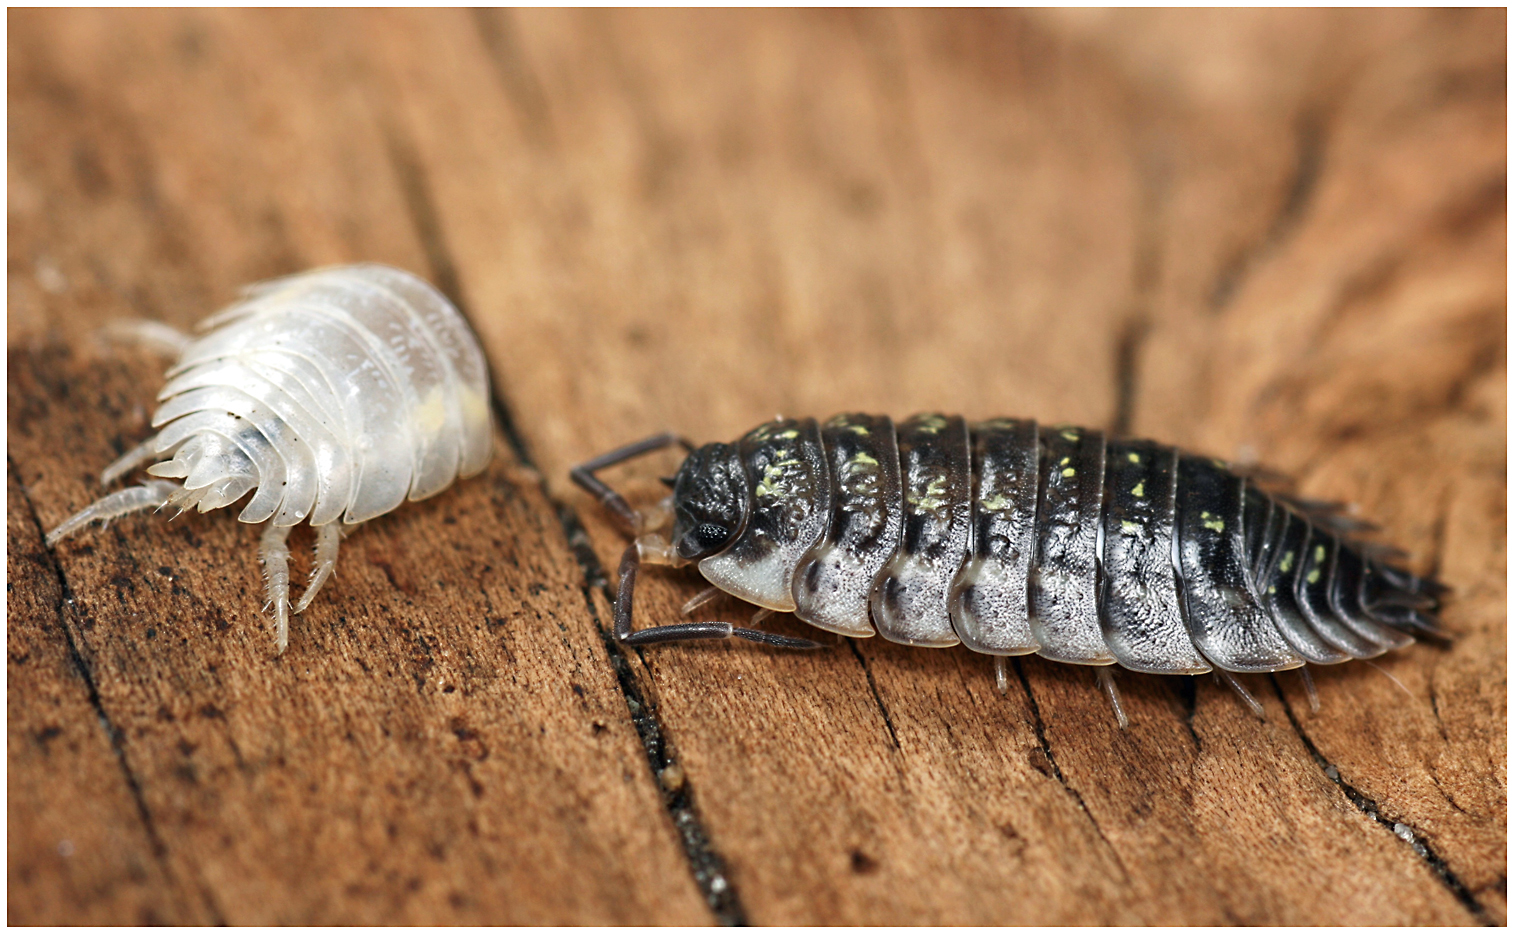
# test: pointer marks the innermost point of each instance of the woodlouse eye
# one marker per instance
(703, 539)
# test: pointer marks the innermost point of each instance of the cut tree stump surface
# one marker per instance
(1271, 235)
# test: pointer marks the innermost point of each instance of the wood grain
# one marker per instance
(1264, 234)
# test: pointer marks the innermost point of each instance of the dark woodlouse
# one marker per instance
(1012, 538)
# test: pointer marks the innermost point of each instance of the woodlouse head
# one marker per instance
(709, 501)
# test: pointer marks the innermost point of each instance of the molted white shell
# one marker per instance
(332, 394)
(365, 383)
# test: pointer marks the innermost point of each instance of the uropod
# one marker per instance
(332, 396)
(1012, 538)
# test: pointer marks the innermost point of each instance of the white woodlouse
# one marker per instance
(1012, 538)
(330, 395)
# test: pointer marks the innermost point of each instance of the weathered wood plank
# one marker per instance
(1273, 232)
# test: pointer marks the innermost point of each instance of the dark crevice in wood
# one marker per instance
(872, 686)
(1127, 354)
(1309, 158)
(1438, 533)
(1373, 810)
(423, 214)
(705, 864)
(498, 35)
(1187, 690)
(116, 738)
(1145, 275)
(1039, 725)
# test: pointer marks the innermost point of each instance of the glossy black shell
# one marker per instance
(1012, 538)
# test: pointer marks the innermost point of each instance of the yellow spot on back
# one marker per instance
(934, 496)
(1064, 462)
(1068, 472)
(1287, 563)
(997, 502)
(1129, 526)
(864, 458)
(1140, 489)
(1070, 434)
(858, 429)
(1133, 457)
(1214, 525)
(1314, 576)
(1319, 553)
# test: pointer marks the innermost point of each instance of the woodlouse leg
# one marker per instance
(274, 553)
(630, 563)
(152, 335)
(1309, 689)
(1254, 705)
(328, 541)
(153, 494)
(761, 614)
(130, 461)
(700, 599)
(1106, 681)
(1001, 674)
(583, 475)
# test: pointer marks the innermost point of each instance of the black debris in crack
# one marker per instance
(1403, 831)
(1039, 725)
(872, 685)
(1309, 158)
(677, 796)
(112, 733)
(706, 865)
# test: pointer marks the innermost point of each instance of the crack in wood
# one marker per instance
(424, 216)
(872, 686)
(1039, 725)
(520, 85)
(1127, 353)
(1399, 829)
(1309, 157)
(1146, 273)
(1187, 690)
(113, 734)
(705, 864)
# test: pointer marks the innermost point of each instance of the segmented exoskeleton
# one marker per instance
(1012, 538)
(333, 394)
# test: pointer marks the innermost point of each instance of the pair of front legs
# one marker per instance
(630, 562)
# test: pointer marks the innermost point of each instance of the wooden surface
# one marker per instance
(1268, 234)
